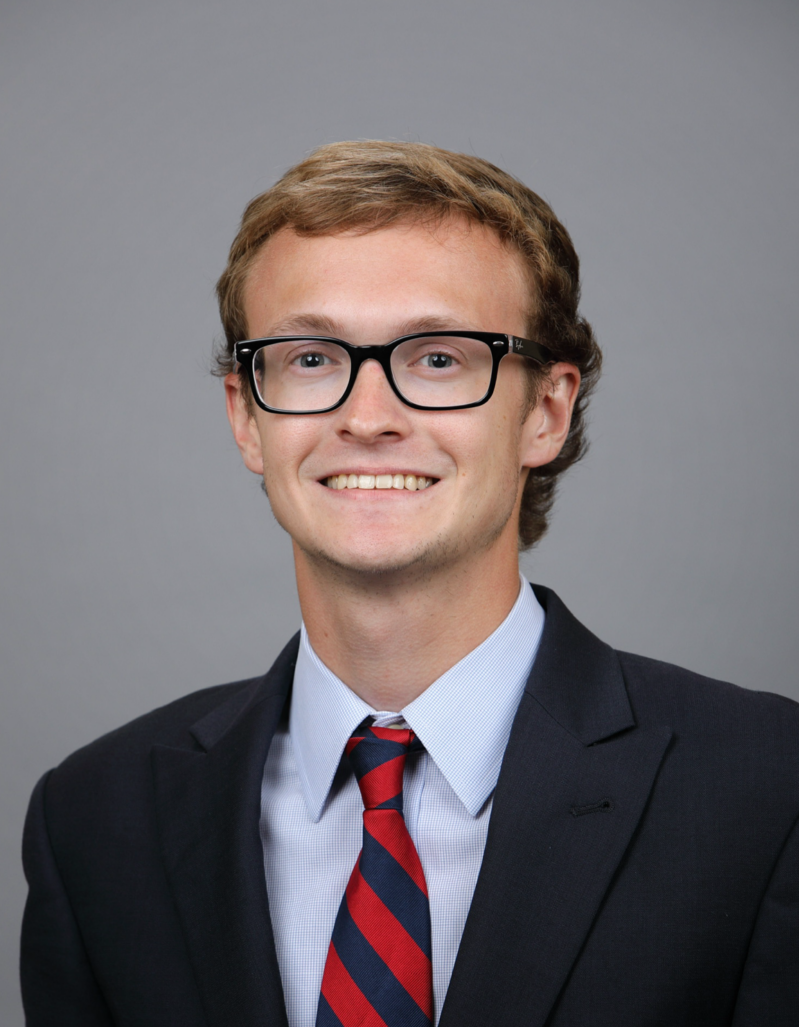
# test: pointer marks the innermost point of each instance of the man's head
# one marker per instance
(392, 191)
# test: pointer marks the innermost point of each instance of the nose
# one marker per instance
(372, 410)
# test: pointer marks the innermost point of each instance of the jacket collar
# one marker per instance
(576, 677)
(574, 749)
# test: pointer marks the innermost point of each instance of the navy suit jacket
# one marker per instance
(641, 867)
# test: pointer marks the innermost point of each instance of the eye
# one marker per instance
(438, 361)
(312, 360)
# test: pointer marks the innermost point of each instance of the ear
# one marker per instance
(547, 424)
(245, 428)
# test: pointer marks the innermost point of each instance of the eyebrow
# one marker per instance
(319, 324)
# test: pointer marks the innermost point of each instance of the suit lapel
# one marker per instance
(574, 783)
(208, 808)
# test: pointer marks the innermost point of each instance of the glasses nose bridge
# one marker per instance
(378, 392)
(359, 355)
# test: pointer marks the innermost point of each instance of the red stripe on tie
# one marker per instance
(345, 997)
(388, 827)
(352, 742)
(393, 734)
(382, 783)
(391, 942)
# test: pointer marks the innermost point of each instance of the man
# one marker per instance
(447, 802)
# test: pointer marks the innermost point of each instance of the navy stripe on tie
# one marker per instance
(395, 803)
(379, 986)
(371, 753)
(396, 889)
(325, 1017)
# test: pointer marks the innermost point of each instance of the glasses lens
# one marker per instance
(301, 375)
(442, 371)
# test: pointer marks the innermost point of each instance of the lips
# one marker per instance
(409, 482)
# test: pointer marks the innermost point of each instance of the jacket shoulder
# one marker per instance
(715, 716)
(677, 684)
(168, 725)
(119, 763)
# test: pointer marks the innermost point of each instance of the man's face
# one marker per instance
(369, 289)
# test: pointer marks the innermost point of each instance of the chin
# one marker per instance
(385, 561)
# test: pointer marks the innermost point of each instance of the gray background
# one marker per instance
(139, 560)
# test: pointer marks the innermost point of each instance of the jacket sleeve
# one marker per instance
(58, 985)
(769, 990)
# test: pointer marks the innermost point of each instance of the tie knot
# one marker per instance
(377, 755)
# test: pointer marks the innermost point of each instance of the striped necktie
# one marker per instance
(378, 971)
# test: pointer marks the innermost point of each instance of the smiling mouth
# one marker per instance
(410, 482)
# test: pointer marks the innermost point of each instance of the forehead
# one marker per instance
(381, 281)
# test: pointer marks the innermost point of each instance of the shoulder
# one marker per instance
(119, 761)
(116, 770)
(170, 724)
(669, 689)
(716, 723)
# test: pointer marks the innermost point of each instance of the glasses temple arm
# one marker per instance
(529, 348)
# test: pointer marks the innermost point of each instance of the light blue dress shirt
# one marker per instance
(311, 808)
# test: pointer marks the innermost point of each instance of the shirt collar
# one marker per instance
(463, 719)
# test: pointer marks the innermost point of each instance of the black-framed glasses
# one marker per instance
(312, 374)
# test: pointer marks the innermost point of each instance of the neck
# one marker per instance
(388, 637)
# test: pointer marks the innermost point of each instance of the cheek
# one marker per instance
(285, 443)
(485, 440)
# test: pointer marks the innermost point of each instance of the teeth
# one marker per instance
(411, 482)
